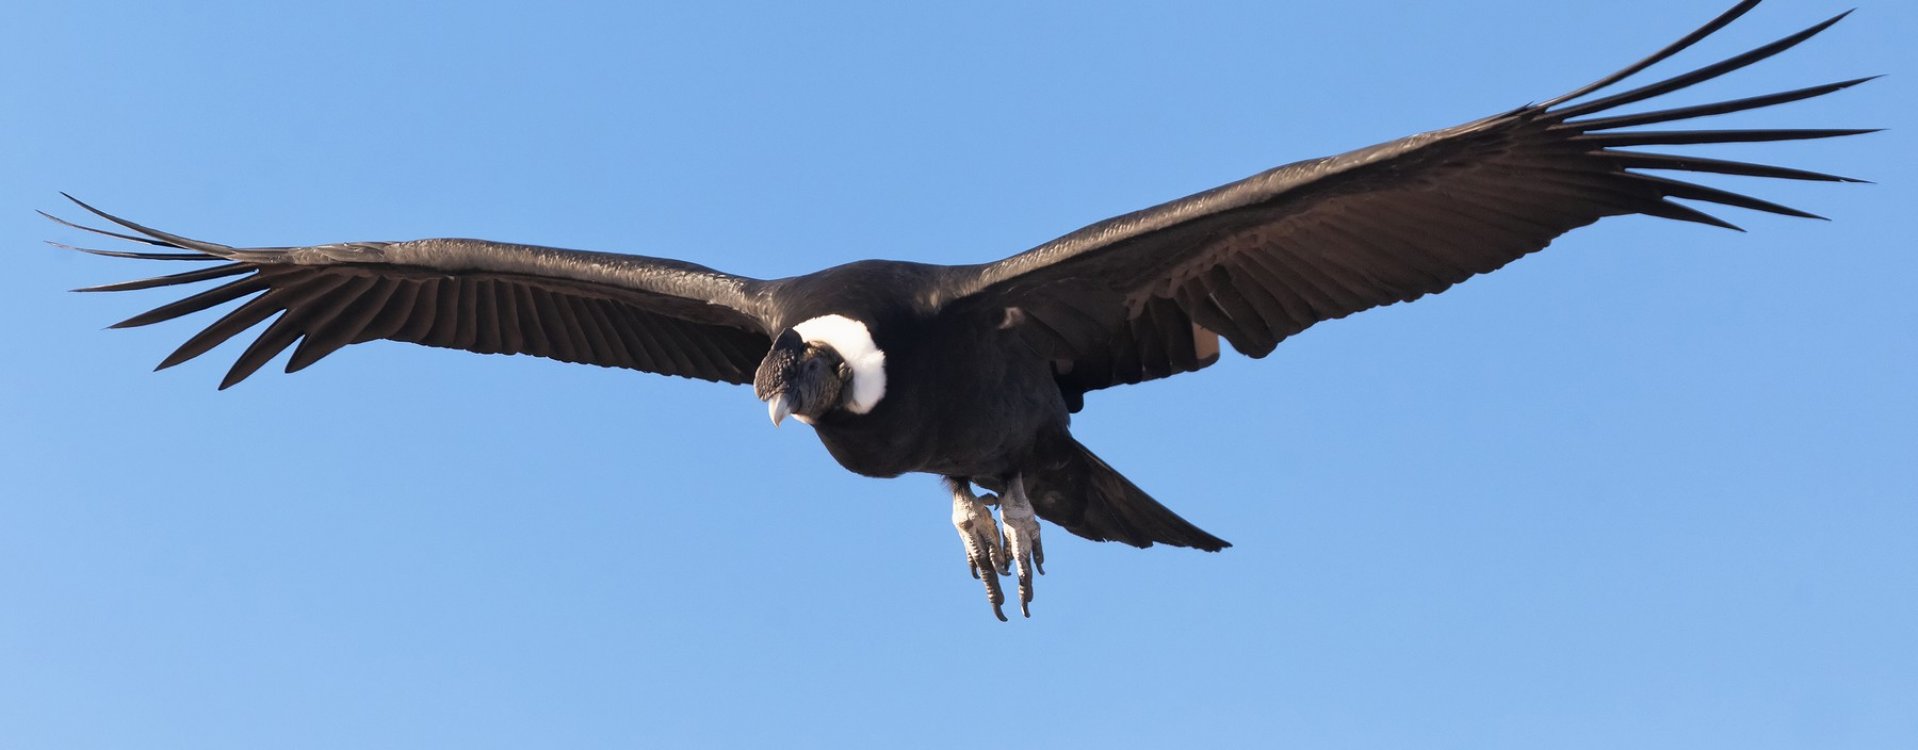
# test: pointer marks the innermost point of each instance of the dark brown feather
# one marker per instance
(189, 277)
(345, 328)
(1266, 257)
(488, 297)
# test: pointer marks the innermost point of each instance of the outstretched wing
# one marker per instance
(1145, 295)
(650, 314)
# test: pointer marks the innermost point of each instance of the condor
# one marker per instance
(972, 372)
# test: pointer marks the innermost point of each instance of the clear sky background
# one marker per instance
(1655, 487)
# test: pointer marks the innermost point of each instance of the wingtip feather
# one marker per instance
(1665, 209)
(1684, 80)
(1711, 27)
(211, 248)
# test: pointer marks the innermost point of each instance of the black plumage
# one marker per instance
(980, 366)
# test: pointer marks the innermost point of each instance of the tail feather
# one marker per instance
(1079, 492)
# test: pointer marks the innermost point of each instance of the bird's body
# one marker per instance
(984, 425)
(979, 425)
(972, 372)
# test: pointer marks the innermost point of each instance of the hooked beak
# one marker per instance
(779, 407)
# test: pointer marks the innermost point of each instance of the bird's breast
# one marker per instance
(961, 401)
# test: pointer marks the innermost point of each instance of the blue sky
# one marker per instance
(1654, 487)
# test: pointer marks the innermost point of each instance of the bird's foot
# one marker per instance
(1024, 552)
(985, 553)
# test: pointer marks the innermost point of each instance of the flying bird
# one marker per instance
(972, 372)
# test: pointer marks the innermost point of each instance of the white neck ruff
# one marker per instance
(854, 343)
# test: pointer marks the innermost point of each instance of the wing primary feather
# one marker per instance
(241, 368)
(131, 254)
(1693, 137)
(1688, 163)
(293, 325)
(211, 248)
(221, 294)
(1693, 191)
(247, 315)
(298, 308)
(1672, 49)
(189, 277)
(352, 306)
(96, 230)
(1568, 187)
(1669, 210)
(1714, 108)
(1700, 75)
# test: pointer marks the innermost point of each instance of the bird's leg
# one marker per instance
(985, 553)
(1023, 550)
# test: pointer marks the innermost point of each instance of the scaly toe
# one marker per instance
(985, 550)
(1022, 548)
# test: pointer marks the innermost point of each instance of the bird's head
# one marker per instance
(802, 379)
(818, 366)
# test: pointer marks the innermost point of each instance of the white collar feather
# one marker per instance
(854, 343)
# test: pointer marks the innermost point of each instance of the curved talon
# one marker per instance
(1022, 539)
(985, 549)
